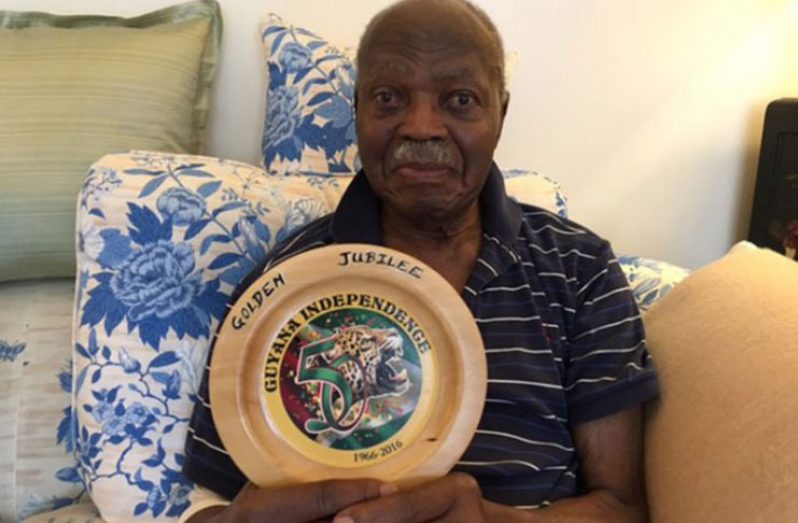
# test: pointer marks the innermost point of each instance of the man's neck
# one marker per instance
(449, 247)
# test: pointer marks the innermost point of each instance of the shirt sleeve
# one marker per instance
(608, 367)
(207, 462)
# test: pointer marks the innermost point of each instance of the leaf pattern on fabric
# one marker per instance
(162, 242)
(310, 125)
(650, 280)
(10, 351)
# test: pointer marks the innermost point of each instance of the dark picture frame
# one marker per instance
(774, 218)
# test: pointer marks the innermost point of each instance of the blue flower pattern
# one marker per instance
(650, 280)
(10, 351)
(310, 124)
(296, 57)
(159, 280)
(153, 284)
(560, 200)
(65, 436)
(283, 118)
(182, 206)
(137, 419)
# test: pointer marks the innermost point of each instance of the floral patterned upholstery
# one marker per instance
(162, 242)
(310, 124)
(649, 279)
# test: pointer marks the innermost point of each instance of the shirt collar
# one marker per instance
(357, 217)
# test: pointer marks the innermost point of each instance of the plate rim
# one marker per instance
(454, 320)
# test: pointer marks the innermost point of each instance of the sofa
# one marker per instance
(78, 353)
(80, 401)
(105, 320)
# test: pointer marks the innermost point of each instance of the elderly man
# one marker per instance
(560, 437)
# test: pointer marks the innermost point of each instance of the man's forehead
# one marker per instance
(440, 67)
(444, 32)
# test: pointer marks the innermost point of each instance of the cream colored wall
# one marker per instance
(648, 112)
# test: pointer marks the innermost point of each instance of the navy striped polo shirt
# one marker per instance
(563, 338)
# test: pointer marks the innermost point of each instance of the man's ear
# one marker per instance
(505, 104)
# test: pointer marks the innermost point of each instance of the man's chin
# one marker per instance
(427, 210)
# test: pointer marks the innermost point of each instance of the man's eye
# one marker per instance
(461, 101)
(386, 98)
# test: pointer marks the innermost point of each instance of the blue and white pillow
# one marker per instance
(536, 189)
(309, 125)
(650, 280)
(162, 242)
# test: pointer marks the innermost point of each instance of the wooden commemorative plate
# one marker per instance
(348, 361)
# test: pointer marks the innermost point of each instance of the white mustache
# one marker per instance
(428, 151)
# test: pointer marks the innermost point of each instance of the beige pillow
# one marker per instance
(721, 444)
(74, 88)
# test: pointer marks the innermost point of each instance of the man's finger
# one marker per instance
(325, 498)
(310, 501)
(404, 507)
(430, 501)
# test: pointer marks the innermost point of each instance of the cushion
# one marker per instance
(162, 242)
(37, 467)
(650, 280)
(309, 125)
(75, 88)
(536, 189)
(720, 446)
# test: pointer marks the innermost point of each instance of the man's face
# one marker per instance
(428, 121)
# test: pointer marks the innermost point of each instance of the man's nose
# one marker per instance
(423, 120)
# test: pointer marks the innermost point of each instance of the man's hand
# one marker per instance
(295, 503)
(610, 451)
(453, 498)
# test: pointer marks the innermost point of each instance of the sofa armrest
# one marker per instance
(720, 442)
